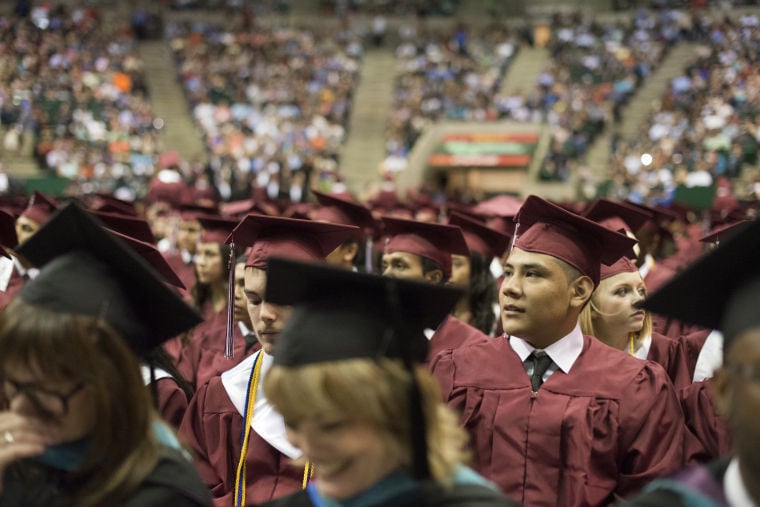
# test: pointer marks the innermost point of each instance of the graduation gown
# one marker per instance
(172, 401)
(692, 344)
(671, 356)
(711, 437)
(185, 270)
(451, 334)
(586, 438)
(172, 482)
(212, 427)
(203, 357)
(15, 283)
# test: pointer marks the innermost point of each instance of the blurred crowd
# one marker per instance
(705, 128)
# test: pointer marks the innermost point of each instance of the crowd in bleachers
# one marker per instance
(77, 89)
(446, 75)
(706, 124)
(593, 71)
(271, 103)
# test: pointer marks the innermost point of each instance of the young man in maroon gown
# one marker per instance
(214, 421)
(422, 251)
(556, 417)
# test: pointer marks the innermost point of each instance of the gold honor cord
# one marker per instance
(253, 385)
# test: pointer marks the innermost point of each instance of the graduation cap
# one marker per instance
(339, 315)
(617, 216)
(87, 270)
(719, 290)
(110, 204)
(267, 236)
(479, 237)
(305, 240)
(434, 241)
(543, 227)
(127, 225)
(193, 211)
(40, 208)
(622, 265)
(153, 257)
(505, 206)
(725, 231)
(339, 210)
(215, 229)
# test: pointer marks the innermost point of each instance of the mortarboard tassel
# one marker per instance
(229, 339)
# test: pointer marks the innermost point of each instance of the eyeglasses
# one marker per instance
(47, 402)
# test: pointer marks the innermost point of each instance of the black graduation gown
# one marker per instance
(172, 482)
(460, 495)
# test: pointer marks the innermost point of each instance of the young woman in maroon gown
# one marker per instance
(613, 317)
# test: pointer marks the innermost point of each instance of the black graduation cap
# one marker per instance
(719, 290)
(339, 315)
(723, 232)
(87, 270)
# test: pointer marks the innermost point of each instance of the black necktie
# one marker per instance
(539, 361)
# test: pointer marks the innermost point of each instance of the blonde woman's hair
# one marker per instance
(375, 392)
(64, 346)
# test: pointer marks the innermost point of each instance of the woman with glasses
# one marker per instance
(77, 425)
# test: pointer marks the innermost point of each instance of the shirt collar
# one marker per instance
(563, 352)
(735, 490)
(243, 328)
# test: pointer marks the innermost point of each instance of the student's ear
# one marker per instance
(581, 290)
(434, 276)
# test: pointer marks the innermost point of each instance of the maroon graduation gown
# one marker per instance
(203, 357)
(172, 401)
(712, 437)
(671, 356)
(185, 272)
(451, 334)
(692, 344)
(212, 427)
(15, 283)
(586, 438)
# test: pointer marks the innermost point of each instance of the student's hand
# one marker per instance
(20, 437)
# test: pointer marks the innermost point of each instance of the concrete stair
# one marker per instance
(364, 149)
(523, 72)
(19, 163)
(168, 100)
